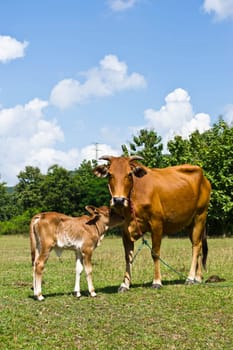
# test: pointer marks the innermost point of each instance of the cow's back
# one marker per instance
(173, 195)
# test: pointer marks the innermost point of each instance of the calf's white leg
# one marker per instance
(79, 269)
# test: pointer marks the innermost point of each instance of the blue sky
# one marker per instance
(78, 73)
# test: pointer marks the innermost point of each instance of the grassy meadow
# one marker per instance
(174, 317)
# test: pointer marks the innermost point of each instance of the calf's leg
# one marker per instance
(37, 274)
(79, 269)
(88, 269)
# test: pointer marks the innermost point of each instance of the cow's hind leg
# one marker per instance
(197, 232)
(155, 253)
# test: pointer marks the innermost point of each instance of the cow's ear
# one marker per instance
(139, 171)
(101, 171)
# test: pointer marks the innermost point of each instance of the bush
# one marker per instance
(18, 224)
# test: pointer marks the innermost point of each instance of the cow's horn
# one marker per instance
(109, 158)
(136, 158)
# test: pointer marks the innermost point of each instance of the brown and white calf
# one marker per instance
(52, 230)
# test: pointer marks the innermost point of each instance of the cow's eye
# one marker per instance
(110, 176)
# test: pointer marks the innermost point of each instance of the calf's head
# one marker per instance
(104, 214)
(120, 171)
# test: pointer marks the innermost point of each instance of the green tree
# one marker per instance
(213, 151)
(179, 151)
(147, 145)
(219, 169)
(28, 192)
(5, 203)
(91, 190)
(59, 190)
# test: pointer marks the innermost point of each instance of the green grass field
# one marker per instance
(174, 317)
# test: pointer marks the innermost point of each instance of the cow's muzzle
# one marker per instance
(119, 202)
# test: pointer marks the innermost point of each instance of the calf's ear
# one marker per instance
(101, 171)
(91, 209)
(94, 214)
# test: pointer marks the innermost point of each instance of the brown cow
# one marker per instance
(52, 230)
(160, 201)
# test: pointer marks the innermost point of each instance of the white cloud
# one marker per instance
(221, 8)
(228, 115)
(47, 156)
(96, 151)
(121, 5)
(10, 48)
(26, 138)
(176, 117)
(108, 78)
(200, 122)
(21, 120)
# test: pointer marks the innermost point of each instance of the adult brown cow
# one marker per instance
(160, 201)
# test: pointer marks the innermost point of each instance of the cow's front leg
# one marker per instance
(79, 269)
(129, 248)
(155, 253)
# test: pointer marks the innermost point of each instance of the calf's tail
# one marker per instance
(204, 249)
(32, 235)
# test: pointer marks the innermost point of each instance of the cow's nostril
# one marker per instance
(118, 201)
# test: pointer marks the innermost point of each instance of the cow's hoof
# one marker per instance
(190, 282)
(156, 286)
(123, 289)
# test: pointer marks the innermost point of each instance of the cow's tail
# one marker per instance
(204, 249)
(33, 240)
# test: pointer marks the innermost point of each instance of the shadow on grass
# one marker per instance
(110, 289)
(52, 295)
(114, 289)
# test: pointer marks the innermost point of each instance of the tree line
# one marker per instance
(70, 191)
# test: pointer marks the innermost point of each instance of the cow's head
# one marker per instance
(120, 171)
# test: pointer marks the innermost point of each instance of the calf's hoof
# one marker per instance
(39, 297)
(123, 288)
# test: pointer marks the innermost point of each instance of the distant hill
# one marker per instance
(10, 189)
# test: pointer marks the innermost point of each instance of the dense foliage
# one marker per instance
(70, 191)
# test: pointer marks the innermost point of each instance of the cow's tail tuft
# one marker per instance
(204, 249)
